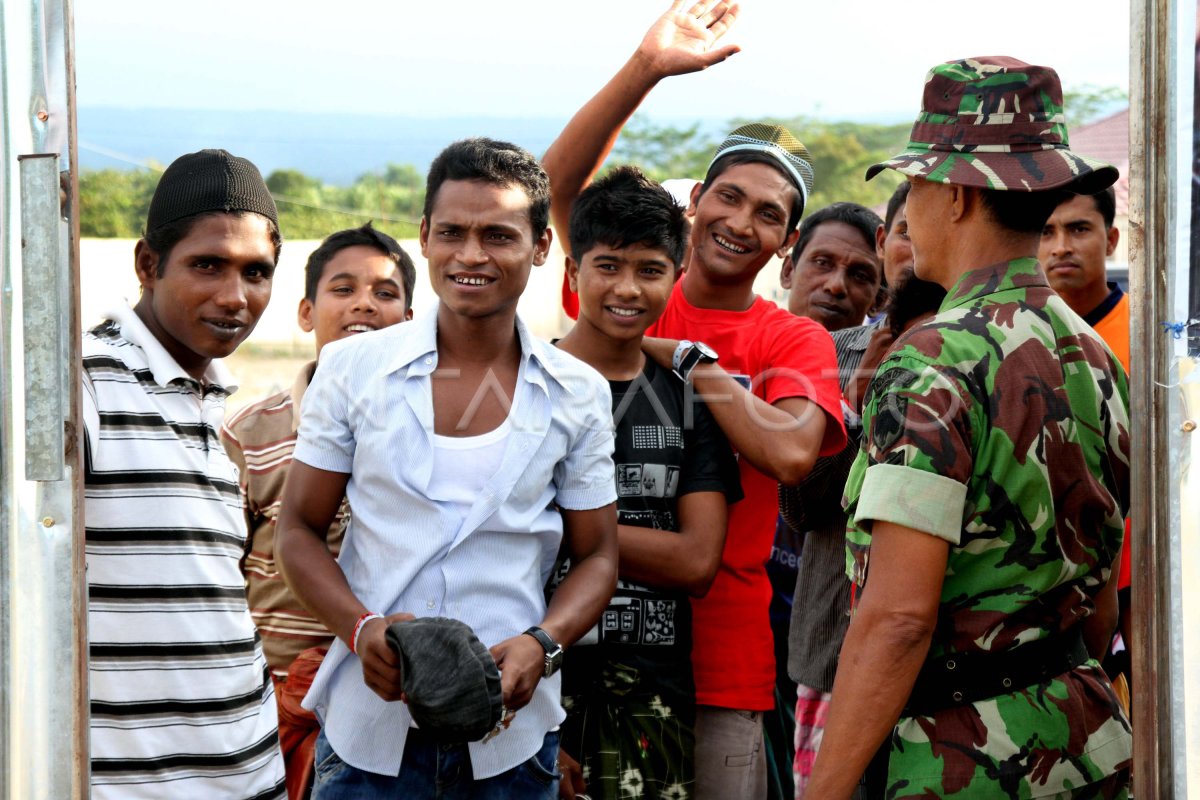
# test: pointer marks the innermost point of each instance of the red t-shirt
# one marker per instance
(784, 356)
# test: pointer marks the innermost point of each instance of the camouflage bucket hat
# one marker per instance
(996, 123)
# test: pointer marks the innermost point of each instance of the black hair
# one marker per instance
(162, 240)
(911, 299)
(364, 236)
(752, 157)
(861, 218)
(495, 162)
(898, 199)
(1021, 212)
(1106, 204)
(626, 208)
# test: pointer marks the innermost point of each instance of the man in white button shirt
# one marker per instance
(468, 451)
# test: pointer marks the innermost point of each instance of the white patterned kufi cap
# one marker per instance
(778, 143)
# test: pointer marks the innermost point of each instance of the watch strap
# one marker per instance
(548, 644)
(553, 650)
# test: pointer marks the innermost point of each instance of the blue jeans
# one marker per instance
(437, 772)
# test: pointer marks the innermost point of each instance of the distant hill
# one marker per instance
(336, 148)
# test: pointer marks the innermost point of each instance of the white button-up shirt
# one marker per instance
(369, 413)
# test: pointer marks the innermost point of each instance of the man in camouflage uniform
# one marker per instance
(992, 484)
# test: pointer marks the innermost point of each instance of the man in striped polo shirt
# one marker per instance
(181, 701)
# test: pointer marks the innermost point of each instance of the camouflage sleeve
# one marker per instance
(917, 455)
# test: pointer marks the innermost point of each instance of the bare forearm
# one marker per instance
(885, 646)
(584, 144)
(774, 439)
(582, 596)
(865, 705)
(314, 577)
(665, 559)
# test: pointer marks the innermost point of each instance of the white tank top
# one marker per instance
(463, 465)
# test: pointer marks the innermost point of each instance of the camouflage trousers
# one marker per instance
(1114, 787)
(631, 744)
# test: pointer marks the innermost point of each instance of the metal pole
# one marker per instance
(1147, 150)
(43, 638)
(1165, 401)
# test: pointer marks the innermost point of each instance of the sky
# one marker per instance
(854, 59)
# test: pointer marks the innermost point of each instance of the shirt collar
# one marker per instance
(416, 350)
(859, 338)
(299, 387)
(162, 364)
(1098, 313)
(1020, 273)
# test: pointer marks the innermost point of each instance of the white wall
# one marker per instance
(107, 277)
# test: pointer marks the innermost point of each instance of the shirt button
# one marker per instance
(430, 605)
(428, 359)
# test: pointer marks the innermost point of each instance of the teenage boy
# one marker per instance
(358, 280)
(744, 212)
(468, 451)
(181, 702)
(630, 696)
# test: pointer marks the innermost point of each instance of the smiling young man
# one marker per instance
(628, 687)
(744, 212)
(181, 701)
(359, 280)
(468, 452)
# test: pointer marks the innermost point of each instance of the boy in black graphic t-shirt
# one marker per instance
(627, 685)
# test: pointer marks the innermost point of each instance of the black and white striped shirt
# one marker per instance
(181, 702)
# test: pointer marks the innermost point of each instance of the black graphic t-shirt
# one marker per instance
(667, 445)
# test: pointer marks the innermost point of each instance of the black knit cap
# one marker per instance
(210, 180)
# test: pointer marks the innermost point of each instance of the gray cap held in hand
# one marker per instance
(451, 680)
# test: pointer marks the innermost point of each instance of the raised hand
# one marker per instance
(684, 40)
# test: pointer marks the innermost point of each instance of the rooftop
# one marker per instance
(1108, 140)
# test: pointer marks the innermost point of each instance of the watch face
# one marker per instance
(553, 661)
(705, 350)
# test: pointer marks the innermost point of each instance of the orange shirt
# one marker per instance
(1110, 319)
(1113, 326)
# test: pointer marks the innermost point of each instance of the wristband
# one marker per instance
(358, 626)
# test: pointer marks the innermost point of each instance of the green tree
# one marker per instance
(113, 203)
(664, 151)
(1087, 103)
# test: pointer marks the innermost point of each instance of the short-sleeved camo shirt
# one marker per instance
(1002, 426)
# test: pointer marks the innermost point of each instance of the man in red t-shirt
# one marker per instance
(720, 337)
